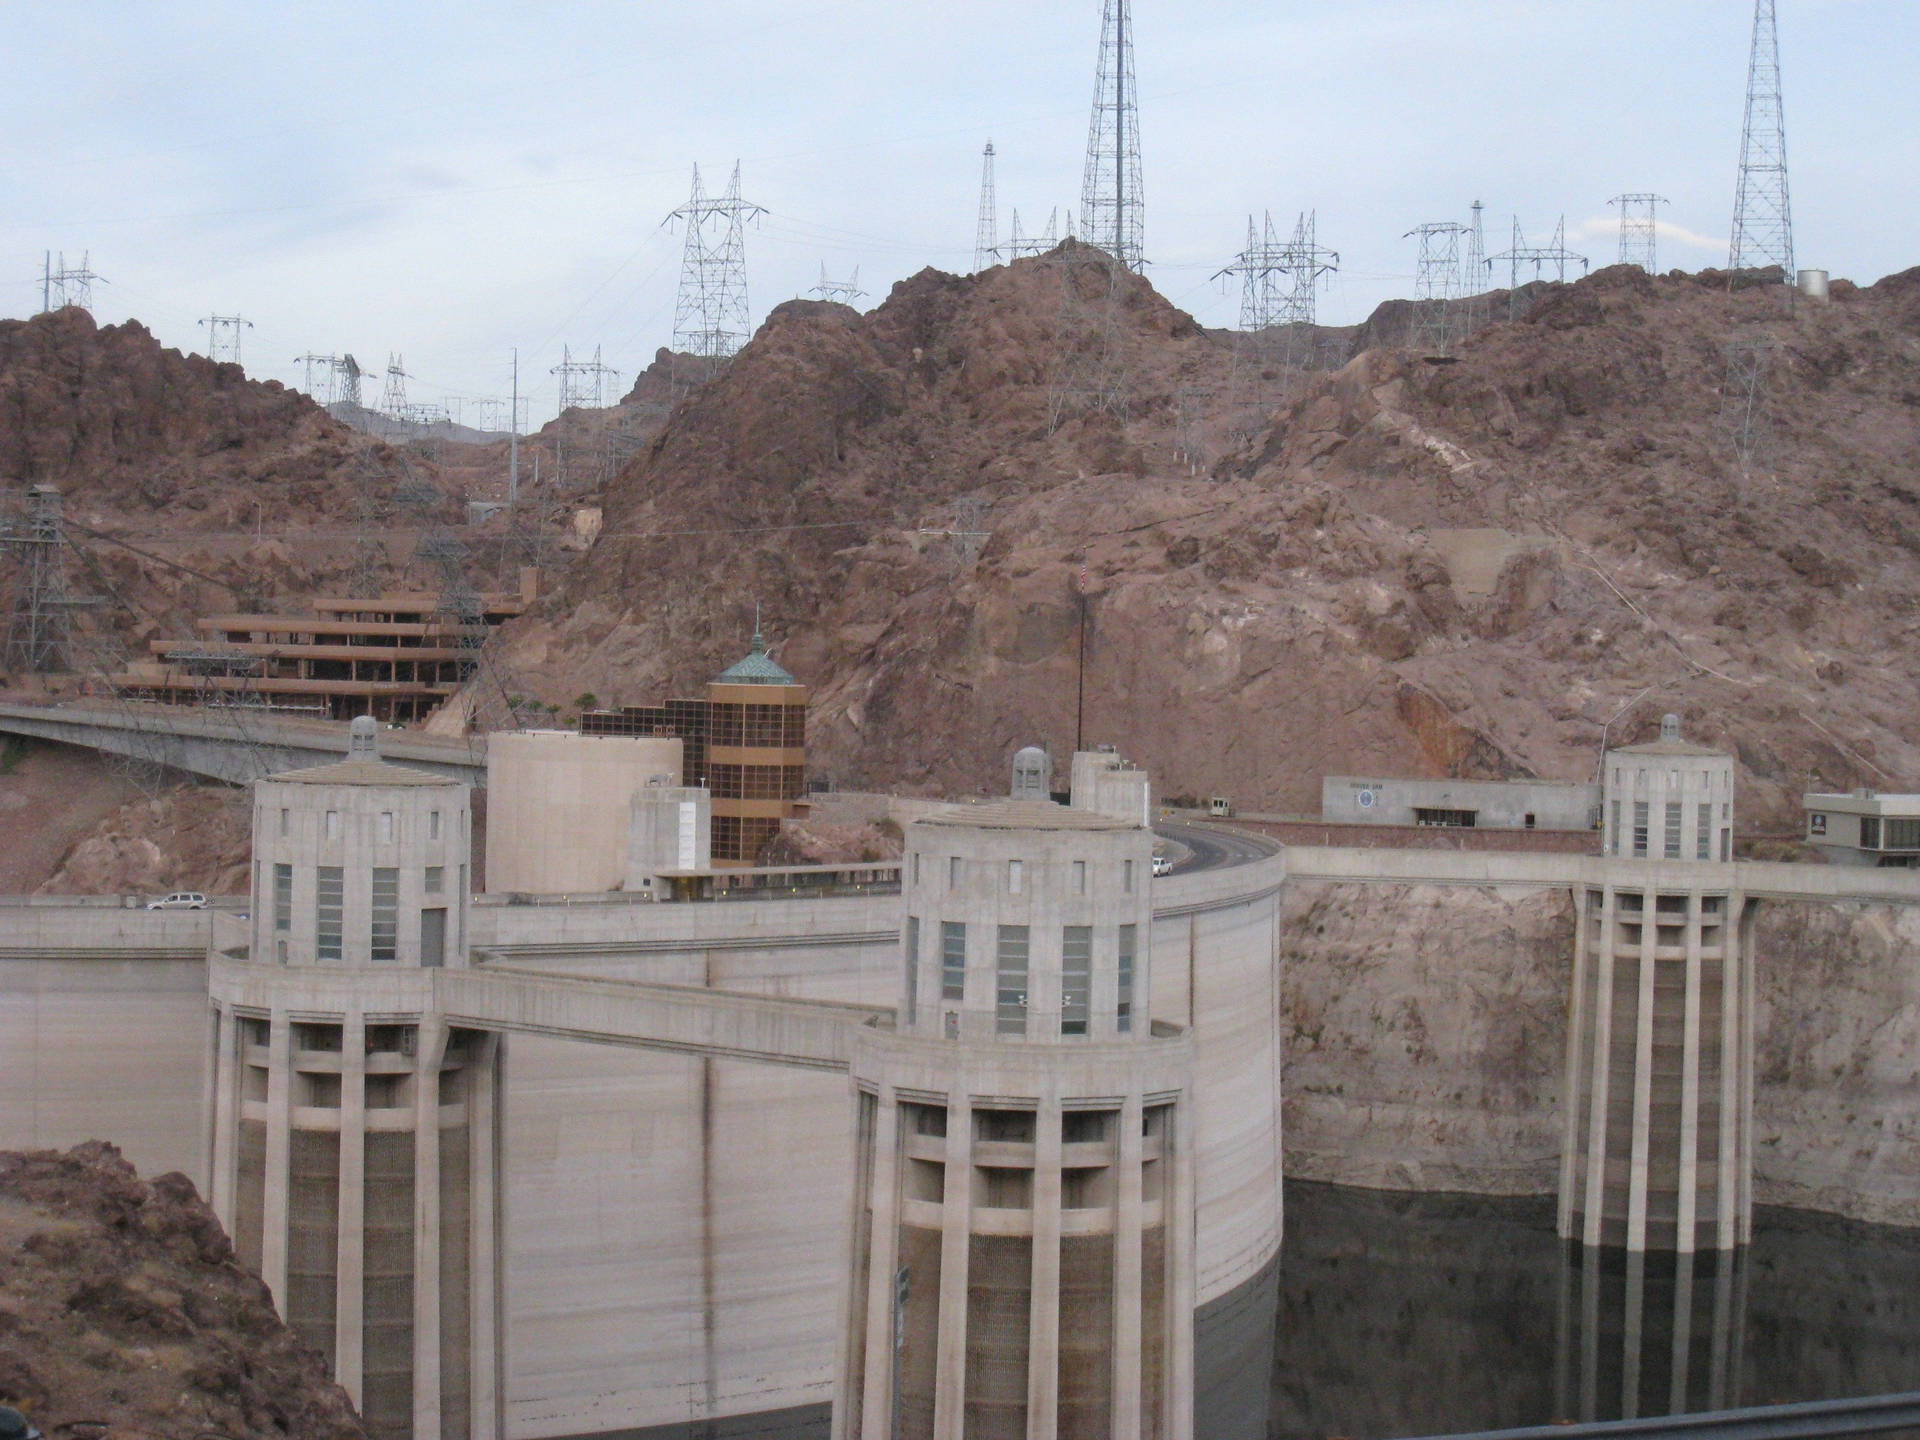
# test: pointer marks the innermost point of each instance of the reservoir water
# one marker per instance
(1415, 1314)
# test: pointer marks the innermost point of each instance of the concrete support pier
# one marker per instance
(1658, 1150)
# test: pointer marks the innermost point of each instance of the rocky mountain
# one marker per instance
(1465, 564)
(123, 1312)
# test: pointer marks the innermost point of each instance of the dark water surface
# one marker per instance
(1404, 1315)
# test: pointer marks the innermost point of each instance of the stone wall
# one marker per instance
(1425, 1036)
(1837, 1060)
(1425, 1031)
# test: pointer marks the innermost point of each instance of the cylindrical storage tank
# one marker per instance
(559, 806)
(1814, 284)
(1023, 1258)
(360, 863)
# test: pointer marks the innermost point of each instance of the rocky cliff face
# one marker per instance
(1837, 1060)
(1458, 568)
(1425, 1033)
(1427, 1027)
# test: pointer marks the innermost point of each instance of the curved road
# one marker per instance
(1213, 848)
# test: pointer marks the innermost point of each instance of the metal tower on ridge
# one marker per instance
(61, 285)
(1639, 229)
(711, 318)
(223, 337)
(1762, 208)
(844, 291)
(1112, 215)
(986, 245)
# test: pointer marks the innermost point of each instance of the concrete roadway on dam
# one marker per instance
(1214, 848)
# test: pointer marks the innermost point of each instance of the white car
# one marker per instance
(1162, 865)
(179, 900)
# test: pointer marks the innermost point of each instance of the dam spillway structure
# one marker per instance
(1658, 1148)
(353, 1133)
(1022, 1261)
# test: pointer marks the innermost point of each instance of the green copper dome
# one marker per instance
(755, 669)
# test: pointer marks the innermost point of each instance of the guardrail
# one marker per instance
(1810, 1420)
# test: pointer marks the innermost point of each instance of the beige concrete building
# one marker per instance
(560, 807)
(1108, 785)
(1023, 1260)
(1659, 1113)
(352, 1134)
(1865, 828)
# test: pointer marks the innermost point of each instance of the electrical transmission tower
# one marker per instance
(710, 318)
(40, 626)
(1473, 274)
(329, 364)
(1306, 263)
(1762, 207)
(1279, 306)
(1112, 213)
(223, 337)
(986, 234)
(1540, 256)
(1745, 421)
(1019, 245)
(845, 291)
(1639, 229)
(61, 285)
(1436, 284)
(346, 381)
(393, 399)
(583, 383)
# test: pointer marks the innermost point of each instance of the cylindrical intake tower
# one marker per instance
(1659, 1091)
(1023, 1199)
(354, 1134)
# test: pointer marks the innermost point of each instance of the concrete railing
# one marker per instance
(814, 1035)
(230, 744)
(1758, 879)
(81, 931)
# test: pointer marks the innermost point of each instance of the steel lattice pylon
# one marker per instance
(1436, 284)
(1639, 229)
(1746, 423)
(39, 629)
(986, 243)
(1762, 206)
(1112, 213)
(711, 318)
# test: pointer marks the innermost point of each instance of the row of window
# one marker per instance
(330, 890)
(1672, 838)
(1714, 779)
(1011, 953)
(386, 830)
(777, 726)
(757, 782)
(1015, 877)
(1899, 833)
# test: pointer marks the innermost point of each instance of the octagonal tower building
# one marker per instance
(1022, 1259)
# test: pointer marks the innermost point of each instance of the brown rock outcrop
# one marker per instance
(123, 1308)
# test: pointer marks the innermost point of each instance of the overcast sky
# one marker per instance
(448, 181)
